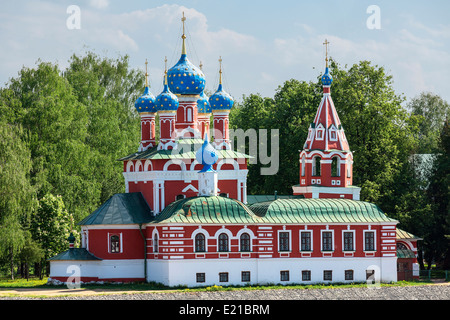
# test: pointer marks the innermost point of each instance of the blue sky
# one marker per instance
(262, 43)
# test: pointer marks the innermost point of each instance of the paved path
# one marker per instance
(439, 291)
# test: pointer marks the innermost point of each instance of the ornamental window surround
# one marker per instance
(335, 167)
(348, 241)
(284, 241)
(114, 244)
(369, 241)
(200, 243)
(155, 243)
(245, 242)
(305, 240)
(327, 240)
(223, 243)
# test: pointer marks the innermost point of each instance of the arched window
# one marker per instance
(335, 167)
(189, 115)
(303, 166)
(245, 242)
(401, 246)
(316, 166)
(200, 243)
(114, 242)
(155, 243)
(223, 242)
(180, 196)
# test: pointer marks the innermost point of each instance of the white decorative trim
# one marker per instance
(190, 187)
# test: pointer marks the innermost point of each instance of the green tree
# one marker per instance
(436, 239)
(30, 253)
(108, 89)
(432, 111)
(51, 225)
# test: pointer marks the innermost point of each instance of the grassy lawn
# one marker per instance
(6, 284)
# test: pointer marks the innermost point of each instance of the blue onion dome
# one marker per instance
(166, 100)
(146, 102)
(185, 78)
(203, 105)
(207, 155)
(221, 100)
(326, 78)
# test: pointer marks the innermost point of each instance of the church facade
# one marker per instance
(184, 218)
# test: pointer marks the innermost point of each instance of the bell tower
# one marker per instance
(326, 162)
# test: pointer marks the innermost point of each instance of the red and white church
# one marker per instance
(184, 218)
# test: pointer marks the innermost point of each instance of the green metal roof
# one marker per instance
(251, 199)
(121, 208)
(285, 211)
(75, 254)
(405, 253)
(186, 150)
(207, 210)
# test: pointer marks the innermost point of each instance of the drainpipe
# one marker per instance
(145, 252)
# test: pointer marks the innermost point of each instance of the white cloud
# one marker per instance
(99, 4)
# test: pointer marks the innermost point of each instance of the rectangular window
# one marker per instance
(327, 241)
(348, 274)
(284, 241)
(306, 275)
(369, 241)
(348, 241)
(327, 275)
(245, 276)
(223, 277)
(305, 240)
(284, 275)
(114, 242)
(200, 277)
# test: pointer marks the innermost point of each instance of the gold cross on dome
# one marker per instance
(165, 64)
(183, 19)
(326, 43)
(146, 73)
(220, 69)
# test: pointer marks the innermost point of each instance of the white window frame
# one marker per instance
(332, 240)
(333, 130)
(374, 240)
(343, 244)
(290, 240)
(311, 240)
(320, 132)
(110, 234)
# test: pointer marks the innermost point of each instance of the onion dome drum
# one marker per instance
(146, 102)
(166, 100)
(221, 100)
(326, 78)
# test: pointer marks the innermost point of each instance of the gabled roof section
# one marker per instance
(77, 254)
(404, 235)
(186, 150)
(121, 208)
